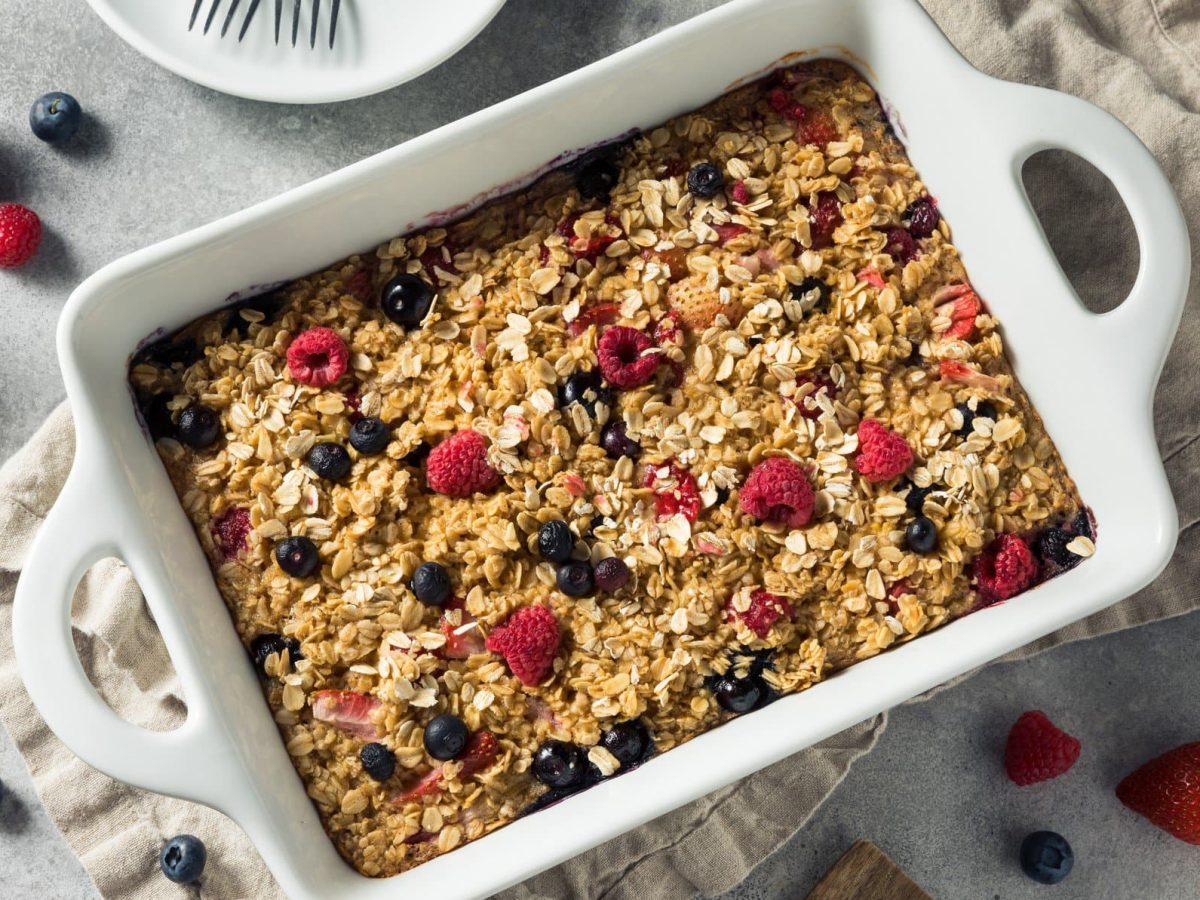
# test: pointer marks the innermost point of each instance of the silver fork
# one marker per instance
(253, 8)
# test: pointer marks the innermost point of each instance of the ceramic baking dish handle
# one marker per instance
(1140, 330)
(75, 535)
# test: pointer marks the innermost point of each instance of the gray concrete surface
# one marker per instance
(160, 155)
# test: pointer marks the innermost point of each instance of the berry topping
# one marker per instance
(777, 490)
(900, 245)
(458, 466)
(629, 742)
(198, 427)
(431, 584)
(611, 574)
(813, 294)
(417, 455)
(597, 314)
(329, 460)
(348, 710)
(1166, 791)
(370, 435)
(317, 357)
(727, 232)
(558, 764)
(407, 300)
(762, 610)
(815, 126)
(1051, 548)
(1004, 569)
(20, 234)
(297, 556)
(960, 304)
(675, 491)
(984, 409)
(705, 180)
(597, 178)
(961, 373)
(617, 443)
(824, 217)
(481, 752)
(55, 117)
(575, 579)
(921, 535)
(915, 498)
(462, 637)
(528, 641)
(923, 217)
(265, 645)
(182, 858)
(377, 761)
(585, 389)
(555, 541)
(624, 360)
(882, 454)
(739, 695)
(231, 529)
(1046, 857)
(1037, 750)
(696, 305)
(1082, 524)
(446, 737)
(808, 387)
(740, 193)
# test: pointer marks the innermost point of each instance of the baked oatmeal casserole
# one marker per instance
(505, 507)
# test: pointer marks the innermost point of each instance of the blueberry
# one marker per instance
(596, 522)
(739, 695)
(264, 645)
(597, 178)
(377, 761)
(586, 389)
(1046, 857)
(555, 541)
(1082, 524)
(705, 180)
(182, 858)
(446, 737)
(266, 305)
(1051, 548)
(617, 443)
(297, 556)
(983, 409)
(417, 454)
(915, 498)
(329, 460)
(722, 496)
(431, 584)
(55, 117)
(813, 294)
(628, 741)
(407, 300)
(611, 574)
(921, 535)
(198, 427)
(548, 799)
(370, 435)
(923, 217)
(156, 413)
(558, 764)
(575, 579)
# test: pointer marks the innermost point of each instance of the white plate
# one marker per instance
(380, 44)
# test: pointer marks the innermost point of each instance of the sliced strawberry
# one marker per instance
(674, 258)
(599, 314)
(960, 304)
(871, 276)
(347, 710)
(358, 285)
(727, 232)
(740, 193)
(961, 373)
(587, 248)
(481, 752)
(676, 492)
(817, 127)
(459, 645)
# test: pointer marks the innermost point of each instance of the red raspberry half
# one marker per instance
(528, 640)
(764, 611)
(458, 466)
(1005, 568)
(231, 529)
(318, 357)
(882, 454)
(1037, 750)
(777, 490)
(824, 217)
(624, 361)
(20, 235)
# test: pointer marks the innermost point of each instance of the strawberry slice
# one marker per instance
(726, 233)
(674, 258)
(817, 127)
(961, 373)
(676, 492)
(481, 752)
(459, 646)
(599, 314)
(960, 304)
(347, 710)
(871, 276)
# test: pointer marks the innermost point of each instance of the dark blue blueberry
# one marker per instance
(370, 435)
(558, 764)
(739, 695)
(628, 741)
(170, 352)
(329, 460)
(575, 579)
(586, 389)
(617, 443)
(264, 645)
(921, 535)
(1046, 857)
(297, 556)
(555, 541)
(55, 117)
(611, 574)
(431, 584)
(198, 427)
(983, 408)
(1082, 524)
(182, 859)
(813, 293)
(157, 415)
(705, 180)
(597, 178)
(417, 454)
(446, 737)
(1051, 548)
(722, 496)
(407, 300)
(377, 761)
(915, 498)
(267, 305)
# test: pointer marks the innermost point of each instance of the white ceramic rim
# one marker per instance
(118, 500)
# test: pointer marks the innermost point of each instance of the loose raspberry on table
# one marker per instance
(458, 466)
(824, 217)
(528, 640)
(317, 357)
(1037, 750)
(20, 235)
(883, 454)
(1005, 568)
(1166, 791)
(623, 359)
(765, 610)
(675, 491)
(231, 529)
(777, 490)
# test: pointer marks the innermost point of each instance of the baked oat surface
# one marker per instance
(753, 359)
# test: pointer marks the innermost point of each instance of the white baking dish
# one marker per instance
(1091, 377)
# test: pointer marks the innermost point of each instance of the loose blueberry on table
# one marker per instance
(182, 859)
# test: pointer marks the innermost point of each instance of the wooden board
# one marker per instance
(865, 873)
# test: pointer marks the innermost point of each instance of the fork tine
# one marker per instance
(195, 12)
(333, 21)
(312, 38)
(278, 18)
(229, 16)
(295, 20)
(212, 14)
(249, 15)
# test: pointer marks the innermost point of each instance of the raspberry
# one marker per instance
(20, 234)
(458, 466)
(588, 248)
(679, 494)
(624, 361)
(528, 641)
(231, 529)
(900, 245)
(777, 490)
(824, 217)
(1037, 750)
(806, 401)
(764, 611)
(1166, 791)
(1005, 568)
(358, 285)
(780, 100)
(318, 357)
(739, 193)
(816, 127)
(882, 454)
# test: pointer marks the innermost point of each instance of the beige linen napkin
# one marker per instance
(1136, 58)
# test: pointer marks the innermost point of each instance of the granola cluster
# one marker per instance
(778, 274)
